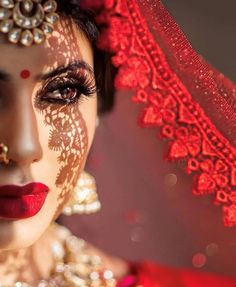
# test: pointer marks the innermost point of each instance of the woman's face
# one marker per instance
(48, 108)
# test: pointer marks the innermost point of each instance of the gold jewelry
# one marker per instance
(3, 153)
(27, 21)
(84, 198)
(74, 266)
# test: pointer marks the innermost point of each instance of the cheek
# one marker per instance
(69, 137)
(68, 140)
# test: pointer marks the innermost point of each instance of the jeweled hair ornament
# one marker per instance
(27, 22)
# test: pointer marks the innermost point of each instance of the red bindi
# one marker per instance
(25, 74)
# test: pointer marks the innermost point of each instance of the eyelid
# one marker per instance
(76, 72)
(72, 66)
(83, 82)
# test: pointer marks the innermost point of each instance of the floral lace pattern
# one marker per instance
(168, 104)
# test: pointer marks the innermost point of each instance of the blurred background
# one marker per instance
(149, 212)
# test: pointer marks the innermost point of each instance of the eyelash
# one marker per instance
(82, 83)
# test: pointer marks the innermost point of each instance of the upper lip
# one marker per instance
(17, 191)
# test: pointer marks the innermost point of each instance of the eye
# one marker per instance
(63, 95)
(67, 89)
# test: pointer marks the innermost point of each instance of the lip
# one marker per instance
(19, 202)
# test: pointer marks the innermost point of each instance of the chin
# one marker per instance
(22, 233)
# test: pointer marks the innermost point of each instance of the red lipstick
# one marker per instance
(19, 202)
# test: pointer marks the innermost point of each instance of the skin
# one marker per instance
(37, 136)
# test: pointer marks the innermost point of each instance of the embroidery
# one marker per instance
(168, 104)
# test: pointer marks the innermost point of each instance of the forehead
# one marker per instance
(67, 43)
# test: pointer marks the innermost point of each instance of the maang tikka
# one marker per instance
(27, 22)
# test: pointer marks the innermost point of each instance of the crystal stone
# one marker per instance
(27, 6)
(47, 28)
(27, 23)
(5, 13)
(50, 6)
(38, 36)
(27, 38)
(6, 26)
(52, 18)
(7, 4)
(14, 35)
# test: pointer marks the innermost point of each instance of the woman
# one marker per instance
(48, 120)
(43, 130)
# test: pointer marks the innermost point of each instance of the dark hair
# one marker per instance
(104, 71)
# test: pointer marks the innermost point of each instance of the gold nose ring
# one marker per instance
(3, 153)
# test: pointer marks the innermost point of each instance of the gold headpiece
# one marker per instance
(27, 21)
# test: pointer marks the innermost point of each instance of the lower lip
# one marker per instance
(22, 207)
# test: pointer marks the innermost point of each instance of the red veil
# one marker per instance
(189, 103)
(192, 104)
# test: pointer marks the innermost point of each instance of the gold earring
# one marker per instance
(84, 198)
(3, 153)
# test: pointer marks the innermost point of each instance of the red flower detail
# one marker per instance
(222, 196)
(151, 117)
(221, 166)
(229, 215)
(187, 144)
(211, 179)
(232, 197)
(178, 149)
(193, 165)
(116, 36)
(159, 111)
(119, 59)
(221, 180)
(207, 166)
(135, 73)
(167, 131)
(233, 177)
(140, 97)
(205, 184)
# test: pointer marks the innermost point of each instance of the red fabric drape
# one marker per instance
(191, 104)
(152, 275)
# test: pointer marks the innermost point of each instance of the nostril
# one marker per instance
(24, 154)
(36, 159)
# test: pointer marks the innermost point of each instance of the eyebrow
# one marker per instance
(78, 64)
(4, 76)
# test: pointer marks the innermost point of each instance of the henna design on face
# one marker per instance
(69, 137)
(25, 74)
(62, 46)
(68, 132)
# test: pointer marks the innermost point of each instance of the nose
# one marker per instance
(22, 132)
